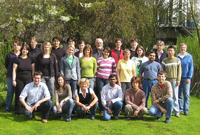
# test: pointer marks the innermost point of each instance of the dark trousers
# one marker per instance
(81, 112)
(73, 84)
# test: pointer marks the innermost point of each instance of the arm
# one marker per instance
(55, 65)
(14, 74)
(39, 102)
(118, 77)
(62, 66)
(78, 69)
(103, 97)
(128, 101)
(33, 69)
(168, 87)
(30, 109)
(114, 67)
(140, 77)
(155, 100)
(133, 69)
(191, 68)
(7, 61)
(179, 73)
(94, 66)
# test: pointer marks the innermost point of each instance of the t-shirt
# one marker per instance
(139, 63)
(59, 54)
(24, 68)
(70, 59)
(46, 66)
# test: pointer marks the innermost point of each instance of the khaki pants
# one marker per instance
(129, 111)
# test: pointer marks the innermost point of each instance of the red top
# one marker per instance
(115, 56)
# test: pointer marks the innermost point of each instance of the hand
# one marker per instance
(141, 87)
(187, 81)
(14, 83)
(86, 108)
(35, 106)
(61, 103)
(164, 111)
(155, 102)
(136, 113)
(59, 108)
(177, 83)
(109, 111)
(30, 109)
(108, 103)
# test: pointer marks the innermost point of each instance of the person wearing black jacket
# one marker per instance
(160, 52)
(34, 50)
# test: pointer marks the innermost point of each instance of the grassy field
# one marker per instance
(186, 125)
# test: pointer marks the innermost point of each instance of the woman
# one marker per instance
(125, 71)
(23, 69)
(86, 100)
(34, 50)
(79, 53)
(10, 59)
(105, 67)
(71, 40)
(139, 59)
(70, 68)
(88, 65)
(46, 62)
(63, 97)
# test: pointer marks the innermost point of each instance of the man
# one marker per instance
(160, 52)
(38, 98)
(162, 102)
(172, 67)
(149, 70)
(135, 100)
(111, 97)
(98, 51)
(59, 52)
(134, 44)
(187, 72)
(117, 52)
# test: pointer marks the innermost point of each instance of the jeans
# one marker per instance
(91, 80)
(100, 83)
(175, 97)
(147, 84)
(67, 108)
(168, 106)
(125, 86)
(184, 89)
(115, 107)
(49, 81)
(10, 93)
(73, 84)
(45, 108)
(81, 112)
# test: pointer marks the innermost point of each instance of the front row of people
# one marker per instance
(38, 98)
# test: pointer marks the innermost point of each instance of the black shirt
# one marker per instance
(59, 54)
(46, 66)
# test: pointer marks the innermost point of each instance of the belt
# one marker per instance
(151, 79)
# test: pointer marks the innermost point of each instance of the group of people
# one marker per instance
(84, 79)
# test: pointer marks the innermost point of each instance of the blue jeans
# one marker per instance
(81, 112)
(45, 108)
(115, 107)
(91, 80)
(175, 97)
(67, 108)
(73, 84)
(168, 106)
(49, 81)
(184, 89)
(10, 93)
(147, 84)
(100, 82)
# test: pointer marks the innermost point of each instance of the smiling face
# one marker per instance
(159, 47)
(161, 78)
(99, 44)
(152, 57)
(56, 43)
(60, 81)
(87, 52)
(70, 50)
(171, 52)
(134, 45)
(25, 51)
(37, 79)
(118, 44)
(112, 81)
(16, 47)
(33, 44)
(183, 49)
(84, 85)
(106, 54)
(139, 52)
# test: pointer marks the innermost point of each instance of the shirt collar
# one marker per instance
(80, 92)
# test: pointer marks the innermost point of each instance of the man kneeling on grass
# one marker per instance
(162, 101)
(135, 100)
(38, 98)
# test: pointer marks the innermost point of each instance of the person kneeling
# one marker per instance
(135, 100)
(162, 101)
(38, 98)
(84, 102)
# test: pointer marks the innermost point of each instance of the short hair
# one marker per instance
(107, 49)
(126, 51)
(118, 39)
(160, 42)
(81, 42)
(56, 38)
(112, 75)
(152, 52)
(134, 40)
(25, 46)
(33, 38)
(38, 73)
(183, 44)
(162, 73)
(56, 82)
(17, 42)
(72, 38)
(171, 47)
(46, 44)
(88, 46)
(139, 47)
(135, 79)
(98, 39)
(70, 46)
(84, 80)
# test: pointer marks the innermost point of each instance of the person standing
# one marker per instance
(134, 44)
(10, 59)
(160, 52)
(34, 50)
(98, 51)
(81, 46)
(187, 73)
(150, 70)
(117, 52)
(172, 67)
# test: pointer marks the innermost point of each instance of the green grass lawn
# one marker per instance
(188, 125)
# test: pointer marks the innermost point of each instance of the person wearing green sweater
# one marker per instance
(88, 65)
(172, 66)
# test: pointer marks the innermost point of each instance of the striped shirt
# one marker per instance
(105, 67)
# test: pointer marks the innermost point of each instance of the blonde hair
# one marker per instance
(46, 44)
(183, 44)
(71, 46)
(84, 80)
(126, 51)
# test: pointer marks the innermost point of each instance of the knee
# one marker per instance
(49, 103)
(170, 101)
(152, 111)
(119, 103)
(70, 101)
(106, 118)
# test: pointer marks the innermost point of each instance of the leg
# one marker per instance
(106, 116)
(93, 109)
(128, 111)
(175, 97)
(145, 84)
(180, 95)
(91, 83)
(154, 111)
(28, 114)
(10, 93)
(68, 107)
(116, 107)
(99, 86)
(45, 108)
(142, 112)
(80, 111)
(186, 92)
(18, 90)
(123, 85)
(168, 105)
(50, 84)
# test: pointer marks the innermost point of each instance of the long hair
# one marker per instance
(56, 82)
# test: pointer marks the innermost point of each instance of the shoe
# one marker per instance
(177, 115)
(167, 120)
(116, 117)
(33, 118)
(186, 113)
(68, 119)
(44, 120)
(159, 118)
(101, 112)
(92, 118)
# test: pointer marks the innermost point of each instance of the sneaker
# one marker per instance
(186, 113)
(68, 119)
(44, 120)
(159, 118)
(177, 115)
(116, 117)
(92, 118)
(167, 120)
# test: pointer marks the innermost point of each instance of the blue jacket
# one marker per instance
(187, 66)
(70, 71)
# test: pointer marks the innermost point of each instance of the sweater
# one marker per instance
(172, 66)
